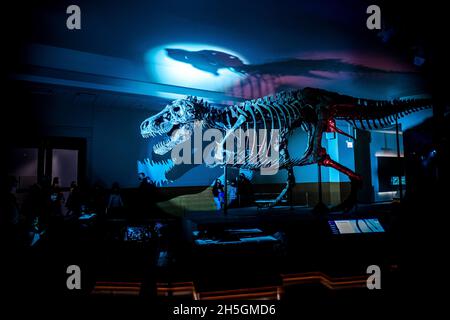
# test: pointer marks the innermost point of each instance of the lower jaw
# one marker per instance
(165, 148)
(161, 151)
(168, 147)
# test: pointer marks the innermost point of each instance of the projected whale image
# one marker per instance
(212, 60)
(207, 60)
(220, 70)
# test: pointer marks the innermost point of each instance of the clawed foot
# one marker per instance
(349, 203)
(321, 208)
(345, 206)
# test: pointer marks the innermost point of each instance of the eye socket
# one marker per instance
(176, 109)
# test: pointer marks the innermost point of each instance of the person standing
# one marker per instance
(56, 199)
(115, 203)
(244, 191)
(232, 194)
(218, 194)
(147, 196)
(73, 203)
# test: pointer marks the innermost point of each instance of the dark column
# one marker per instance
(225, 191)
(320, 207)
(400, 167)
(363, 165)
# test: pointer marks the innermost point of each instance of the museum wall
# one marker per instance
(111, 131)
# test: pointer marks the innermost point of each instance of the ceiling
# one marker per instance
(282, 44)
(259, 30)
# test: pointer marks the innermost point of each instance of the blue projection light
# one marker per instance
(155, 171)
(190, 65)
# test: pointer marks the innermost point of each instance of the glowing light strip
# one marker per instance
(117, 288)
(388, 153)
(245, 293)
(329, 282)
(387, 132)
(267, 292)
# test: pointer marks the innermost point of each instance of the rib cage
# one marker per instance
(281, 112)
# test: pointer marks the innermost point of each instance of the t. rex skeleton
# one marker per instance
(313, 110)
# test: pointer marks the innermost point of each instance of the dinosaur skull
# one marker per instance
(176, 121)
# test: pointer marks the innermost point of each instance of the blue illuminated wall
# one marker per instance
(193, 65)
(105, 120)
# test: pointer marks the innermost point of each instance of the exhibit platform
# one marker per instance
(281, 215)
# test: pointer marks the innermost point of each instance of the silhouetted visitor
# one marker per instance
(147, 193)
(56, 199)
(73, 203)
(218, 194)
(98, 199)
(34, 209)
(45, 183)
(85, 197)
(244, 191)
(143, 180)
(232, 194)
(115, 202)
(34, 205)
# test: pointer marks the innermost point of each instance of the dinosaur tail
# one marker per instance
(376, 114)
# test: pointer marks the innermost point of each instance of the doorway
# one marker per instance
(53, 157)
